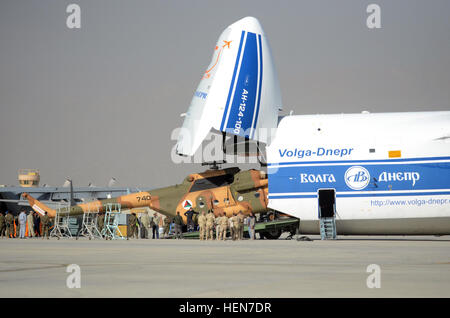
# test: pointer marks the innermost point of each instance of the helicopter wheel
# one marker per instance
(272, 234)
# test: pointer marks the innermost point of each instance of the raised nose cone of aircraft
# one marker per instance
(249, 24)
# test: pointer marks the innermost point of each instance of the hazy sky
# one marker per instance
(103, 100)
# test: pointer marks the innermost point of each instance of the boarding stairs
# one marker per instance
(89, 227)
(328, 228)
(111, 229)
(61, 225)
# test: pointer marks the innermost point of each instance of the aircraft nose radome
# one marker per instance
(249, 24)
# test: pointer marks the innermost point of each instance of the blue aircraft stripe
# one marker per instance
(375, 177)
(260, 83)
(358, 161)
(232, 81)
(243, 101)
(356, 195)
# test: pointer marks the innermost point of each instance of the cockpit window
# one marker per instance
(213, 182)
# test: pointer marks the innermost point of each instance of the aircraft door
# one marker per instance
(327, 203)
(327, 212)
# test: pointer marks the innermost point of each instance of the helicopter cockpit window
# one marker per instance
(213, 182)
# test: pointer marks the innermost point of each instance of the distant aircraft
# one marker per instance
(380, 173)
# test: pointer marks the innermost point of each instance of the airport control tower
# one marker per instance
(29, 178)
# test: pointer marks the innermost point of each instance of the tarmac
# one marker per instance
(409, 267)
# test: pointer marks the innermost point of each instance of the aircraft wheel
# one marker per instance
(272, 234)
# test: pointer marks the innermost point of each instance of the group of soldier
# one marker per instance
(235, 224)
(15, 227)
(144, 223)
(208, 223)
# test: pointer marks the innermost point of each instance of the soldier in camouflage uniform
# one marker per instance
(235, 220)
(45, 226)
(218, 228)
(241, 225)
(178, 222)
(9, 219)
(145, 224)
(210, 218)
(2, 225)
(167, 222)
(132, 226)
(202, 225)
(223, 227)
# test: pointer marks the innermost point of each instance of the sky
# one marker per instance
(102, 101)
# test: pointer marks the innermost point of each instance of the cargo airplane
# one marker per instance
(375, 173)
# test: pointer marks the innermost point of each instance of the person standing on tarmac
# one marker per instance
(9, 219)
(223, 227)
(178, 221)
(218, 227)
(156, 221)
(100, 222)
(202, 225)
(241, 225)
(131, 225)
(30, 224)
(37, 224)
(16, 226)
(189, 216)
(45, 226)
(210, 218)
(2, 225)
(251, 221)
(22, 224)
(145, 221)
(167, 222)
(235, 220)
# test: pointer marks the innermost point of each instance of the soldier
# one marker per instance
(235, 220)
(9, 219)
(16, 226)
(223, 227)
(100, 222)
(156, 220)
(210, 218)
(178, 221)
(166, 226)
(241, 225)
(218, 227)
(202, 225)
(30, 223)
(37, 224)
(145, 221)
(189, 216)
(2, 225)
(231, 226)
(131, 225)
(45, 226)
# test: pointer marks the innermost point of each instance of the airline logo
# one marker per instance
(187, 204)
(357, 177)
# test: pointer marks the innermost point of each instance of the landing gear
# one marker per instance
(272, 234)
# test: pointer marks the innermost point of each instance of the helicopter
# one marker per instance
(224, 191)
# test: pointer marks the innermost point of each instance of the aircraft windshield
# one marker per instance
(213, 182)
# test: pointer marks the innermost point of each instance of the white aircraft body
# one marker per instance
(374, 173)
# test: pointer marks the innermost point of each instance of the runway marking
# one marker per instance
(32, 268)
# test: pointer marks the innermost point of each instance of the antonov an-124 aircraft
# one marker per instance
(374, 173)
